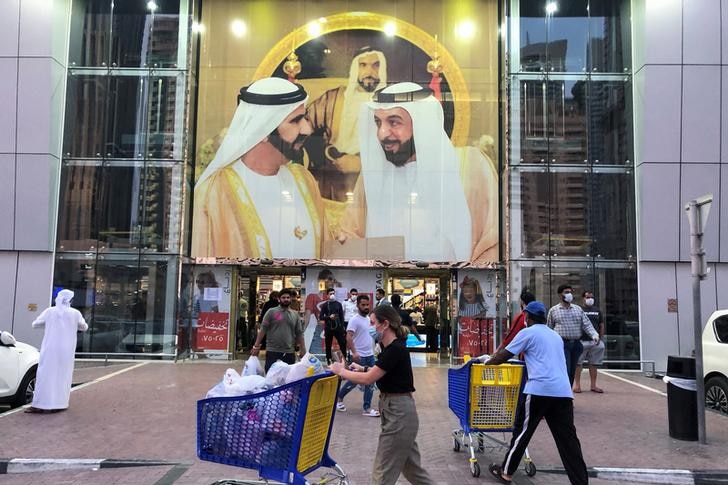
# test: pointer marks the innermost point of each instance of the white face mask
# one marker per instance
(589, 302)
(353, 298)
(332, 297)
(568, 297)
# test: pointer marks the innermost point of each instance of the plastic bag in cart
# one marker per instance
(253, 367)
(277, 373)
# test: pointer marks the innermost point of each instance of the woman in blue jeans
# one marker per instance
(397, 451)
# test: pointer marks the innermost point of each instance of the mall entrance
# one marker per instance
(425, 296)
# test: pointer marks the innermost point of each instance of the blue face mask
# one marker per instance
(377, 336)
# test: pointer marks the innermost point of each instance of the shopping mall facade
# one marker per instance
(579, 129)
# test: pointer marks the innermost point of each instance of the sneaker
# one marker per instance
(340, 406)
(372, 413)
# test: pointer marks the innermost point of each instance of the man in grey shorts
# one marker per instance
(593, 352)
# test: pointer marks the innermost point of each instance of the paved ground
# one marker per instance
(147, 411)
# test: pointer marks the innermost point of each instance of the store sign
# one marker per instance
(212, 331)
(427, 193)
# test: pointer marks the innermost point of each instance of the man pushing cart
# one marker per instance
(548, 395)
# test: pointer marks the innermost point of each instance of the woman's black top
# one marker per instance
(394, 359)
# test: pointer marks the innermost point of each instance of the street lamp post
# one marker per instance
(697, 211)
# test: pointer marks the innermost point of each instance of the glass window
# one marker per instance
(566, 118)
(127, 112)
(160, 211)
(613, 222)
(77, 225)
(165, 119)
(76, 272)
(615, 292)
(85, 116)
(570, 212)
(610, 121)
(119, 213)
(132, 313)
(609, 35)
(143, 37)
(721, 328)
(530, 213)
(91, 33)
(552, 35)
(532, 144)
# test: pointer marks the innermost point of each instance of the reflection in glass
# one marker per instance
(553, 120)
(553, 41)
(570, 214)
(612, 225)
(76, 273)
(130, 307)
(145, 38)
(161, 217)
(609, 35)
(615, 291)
(77, 227)
(127, 105)
(85, 116)
(610, 122)
(530, 196)
(566, 116)
(91, 27)
(165, 116)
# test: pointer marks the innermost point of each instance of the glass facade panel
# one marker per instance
(530, 196)
(84, 133)
(610, 121)
(571, 181)
(609, 36)
(570, 214)
(90, 39)
(127, 114)
(553, 36)
(142, 37)
(613, 223)
(77, 208)
(566, 116)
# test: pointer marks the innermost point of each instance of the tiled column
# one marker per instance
(33, 51)
(680, 49)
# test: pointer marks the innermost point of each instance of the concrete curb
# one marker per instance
(30, 465)
(653, 475)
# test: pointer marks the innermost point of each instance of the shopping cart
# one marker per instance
(282, 433)
(484, 398)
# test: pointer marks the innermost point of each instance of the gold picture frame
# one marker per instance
(382, 23)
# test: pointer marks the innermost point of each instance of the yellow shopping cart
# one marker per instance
(485, 400)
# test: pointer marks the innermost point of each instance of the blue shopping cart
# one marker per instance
(282, 433)
(485, 400)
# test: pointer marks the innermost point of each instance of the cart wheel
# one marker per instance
(475, 469)
(530, 469)
(455, 444)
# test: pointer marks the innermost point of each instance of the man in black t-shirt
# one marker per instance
(405, 316)
(593, 353)
(332, 318)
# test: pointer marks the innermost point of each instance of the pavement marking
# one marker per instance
(646, 475)
(81, 386)
(173, 474)
(32, 465)
(109, 376)
(642, 386)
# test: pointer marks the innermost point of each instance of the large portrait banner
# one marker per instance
(357, 139)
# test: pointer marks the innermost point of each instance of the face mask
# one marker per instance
(332, 297)
(377, 336)
(589, 302)
(568, 297)
(353, 298)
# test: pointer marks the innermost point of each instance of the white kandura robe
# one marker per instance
(55, 368)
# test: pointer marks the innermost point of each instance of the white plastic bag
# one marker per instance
(313, 361)
(253, 367)
(251, 384)
(217, 391)
(297, 371)
(277, 374)
(687, 384)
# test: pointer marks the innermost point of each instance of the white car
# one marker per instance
(18, 365)
(715, 361)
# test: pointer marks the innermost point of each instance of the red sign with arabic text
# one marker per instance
(213, 330)
(475, 336)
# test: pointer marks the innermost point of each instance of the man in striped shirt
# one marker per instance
(568, 321)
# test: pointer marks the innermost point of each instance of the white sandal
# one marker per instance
(372, 413)
(340, 406)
